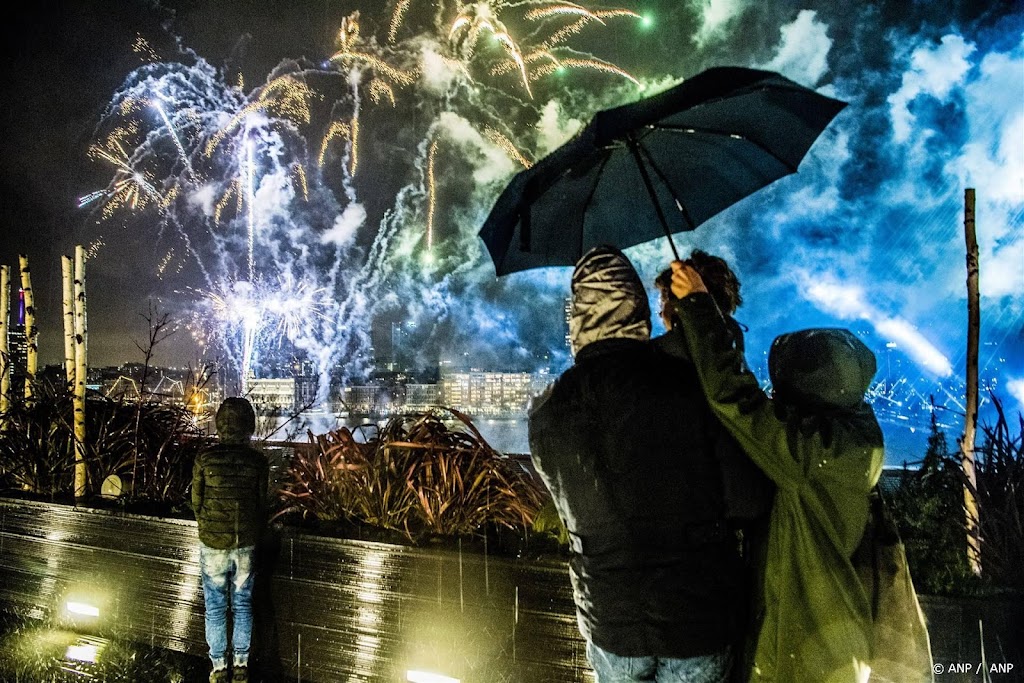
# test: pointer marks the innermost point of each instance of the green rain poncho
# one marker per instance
(821, 445)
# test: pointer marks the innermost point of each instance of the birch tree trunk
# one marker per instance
(68, 299)
(5, 355)
(81, 370)
(31, 333)
(971, 418)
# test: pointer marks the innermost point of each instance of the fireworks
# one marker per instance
(506, 145)
(174, 136)
(285, 97)
(432, 195)
(337, 129)
(250, 180)
(348, 39)
(240, 178)
(245, 313)
(595, 64)
(129, 188)
(479, 17)
(396, 19)
(234, 190)
(380, 90)
(141, 47)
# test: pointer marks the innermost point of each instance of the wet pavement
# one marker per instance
(33, 651)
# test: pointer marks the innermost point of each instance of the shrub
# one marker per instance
(150, 444)
(1000, 494)
(418, 476)
(928, 506)
(37, 444)
(929, 511)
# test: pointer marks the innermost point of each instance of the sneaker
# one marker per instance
(219, 676)
(240, 674)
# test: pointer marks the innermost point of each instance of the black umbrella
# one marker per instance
(661, 165)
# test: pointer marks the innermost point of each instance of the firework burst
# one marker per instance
(240, 177)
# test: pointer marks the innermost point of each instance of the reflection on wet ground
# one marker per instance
(32, 651)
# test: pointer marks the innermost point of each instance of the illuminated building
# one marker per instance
(372, 399)
(17, 345)
(488, 394)
(420, 397)
(272, 394)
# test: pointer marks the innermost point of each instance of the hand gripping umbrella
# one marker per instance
(662, 165)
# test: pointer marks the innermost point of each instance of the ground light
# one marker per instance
(83, 609)
(32, 652)
(427, 677)
(84, 652)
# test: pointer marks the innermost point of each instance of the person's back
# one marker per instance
(229, 498)
(822, 446)
(624, 441)
(230, 503)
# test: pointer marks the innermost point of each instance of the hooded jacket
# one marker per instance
(229, 482)
(624, 441)
(822, 446)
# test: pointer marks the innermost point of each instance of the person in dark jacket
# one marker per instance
(820, 443)
(229, 497)
(624, 442)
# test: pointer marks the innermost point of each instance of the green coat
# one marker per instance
(813, 615)
(229, 495)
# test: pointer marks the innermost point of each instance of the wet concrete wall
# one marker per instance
(346, 610)
(327, 610)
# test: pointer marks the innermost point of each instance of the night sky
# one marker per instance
(869, 233)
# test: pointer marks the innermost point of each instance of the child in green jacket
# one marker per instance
(820, 443)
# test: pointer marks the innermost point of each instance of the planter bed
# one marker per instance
(330, 609)
(350, 610)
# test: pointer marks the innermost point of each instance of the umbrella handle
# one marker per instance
(632, 144)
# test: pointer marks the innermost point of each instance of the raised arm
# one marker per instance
(732, 390)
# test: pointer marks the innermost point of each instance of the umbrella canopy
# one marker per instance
(661, 165)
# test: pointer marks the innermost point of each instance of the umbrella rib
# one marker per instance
(590, 197)
(723, 133)
(664, 179)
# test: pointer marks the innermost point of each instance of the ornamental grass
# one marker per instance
(421, 475)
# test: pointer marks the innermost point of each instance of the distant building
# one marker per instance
(402, 355)
(269, 395)
(371, 399)
(488, 394)
(421, 397)
(17, 349)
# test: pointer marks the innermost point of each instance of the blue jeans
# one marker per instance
(611, 668)
(227, 580)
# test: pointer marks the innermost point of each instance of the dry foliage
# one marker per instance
(418, 475)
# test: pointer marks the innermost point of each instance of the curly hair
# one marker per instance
(722, 283)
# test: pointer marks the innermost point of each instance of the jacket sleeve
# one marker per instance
(734, 393)
(198, 485)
